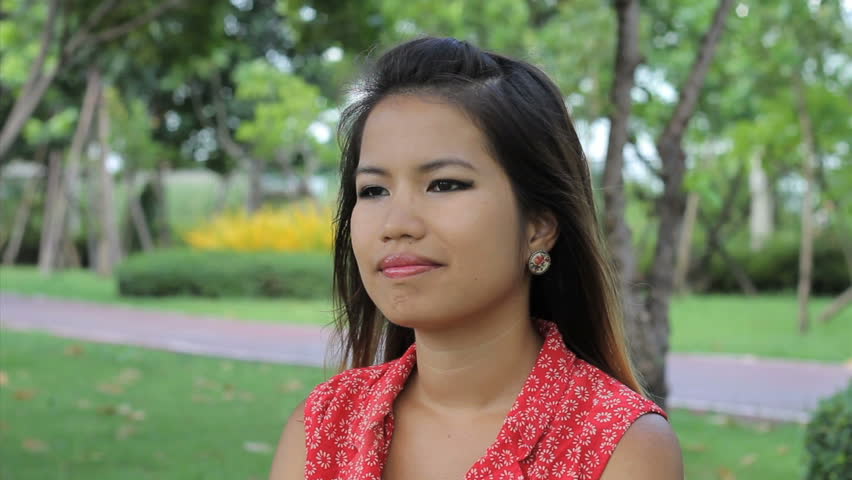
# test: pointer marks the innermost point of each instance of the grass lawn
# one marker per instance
(765, 325)
(71, 409)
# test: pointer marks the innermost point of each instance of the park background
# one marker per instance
(180, 156)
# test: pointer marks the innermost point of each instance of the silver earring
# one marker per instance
(539, 262)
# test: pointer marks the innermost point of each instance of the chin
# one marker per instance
(427, 318)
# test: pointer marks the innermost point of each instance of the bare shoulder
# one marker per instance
(289, 462)
(648, 450)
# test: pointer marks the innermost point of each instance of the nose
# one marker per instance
(403, 220)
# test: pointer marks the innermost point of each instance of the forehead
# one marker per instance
(411, 128)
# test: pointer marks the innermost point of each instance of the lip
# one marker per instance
(406, 265)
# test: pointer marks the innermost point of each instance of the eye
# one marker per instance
(444, 185)
(371, 192)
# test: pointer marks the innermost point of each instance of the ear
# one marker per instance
(542, 232)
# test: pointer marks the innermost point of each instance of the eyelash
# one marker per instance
(456, 184)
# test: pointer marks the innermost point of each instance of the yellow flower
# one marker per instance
(304, 227)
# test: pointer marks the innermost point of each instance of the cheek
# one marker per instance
(486, 234)
(359, 233)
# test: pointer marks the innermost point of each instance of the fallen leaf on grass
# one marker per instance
(111, 388)
(128, 376)
(74, 350)
(4, 378)
(763, 427)
(137, 415)
(726, 474)
(292, 386)
(720, 420)
(782, 449)
(124, 431)
(107, 410)
(34, 445)
(257, 447)
(198, 398)
(25, 394)
(202, 382)
(748, 459)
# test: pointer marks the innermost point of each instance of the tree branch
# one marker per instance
(83, 37)
(99, 12)
(222, 131)
(688, 98)
(645, 160)
(22, 109)
(127, 27)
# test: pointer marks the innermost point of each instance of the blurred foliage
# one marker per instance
(283, 106)
(273, 74)
(219, 273)
(302, 227)
(828, 438)
(776, 268)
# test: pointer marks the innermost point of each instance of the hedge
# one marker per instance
(776, 267)
(209, 273)
(828, 439)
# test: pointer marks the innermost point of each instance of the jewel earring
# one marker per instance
(539, 262)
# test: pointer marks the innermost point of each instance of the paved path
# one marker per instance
(744, 386)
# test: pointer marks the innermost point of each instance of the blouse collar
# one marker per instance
(526, 421)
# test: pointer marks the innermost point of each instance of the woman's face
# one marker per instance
(439, 211)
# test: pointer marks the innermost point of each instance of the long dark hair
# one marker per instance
(523, 116)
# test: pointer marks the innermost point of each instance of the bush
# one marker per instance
(776, 267)
(828, 439)
(213, 273)
(298, 227)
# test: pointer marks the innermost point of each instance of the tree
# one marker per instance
(70, 33)
(648, 324)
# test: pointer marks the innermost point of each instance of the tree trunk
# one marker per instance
(19, 226)
(92, 215)
(673, 202)
(255, 189)
(137, 215)
(109, 253)
(740, 275)
(618, 234)
(163, 229)
(685, 245)
(34, 87)
(52, 198)
(837, 305)
(760, 211)
(38, 81)
(809, 160)
(726, 218)
(222, 196)
(56, 224)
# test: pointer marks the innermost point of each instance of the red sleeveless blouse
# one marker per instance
(565, 423)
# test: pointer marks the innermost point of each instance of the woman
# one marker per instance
(468, 259)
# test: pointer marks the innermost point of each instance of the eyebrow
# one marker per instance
(424, 168)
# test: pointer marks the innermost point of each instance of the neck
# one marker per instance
(477, 367)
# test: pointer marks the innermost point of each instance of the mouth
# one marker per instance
(406, 264)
